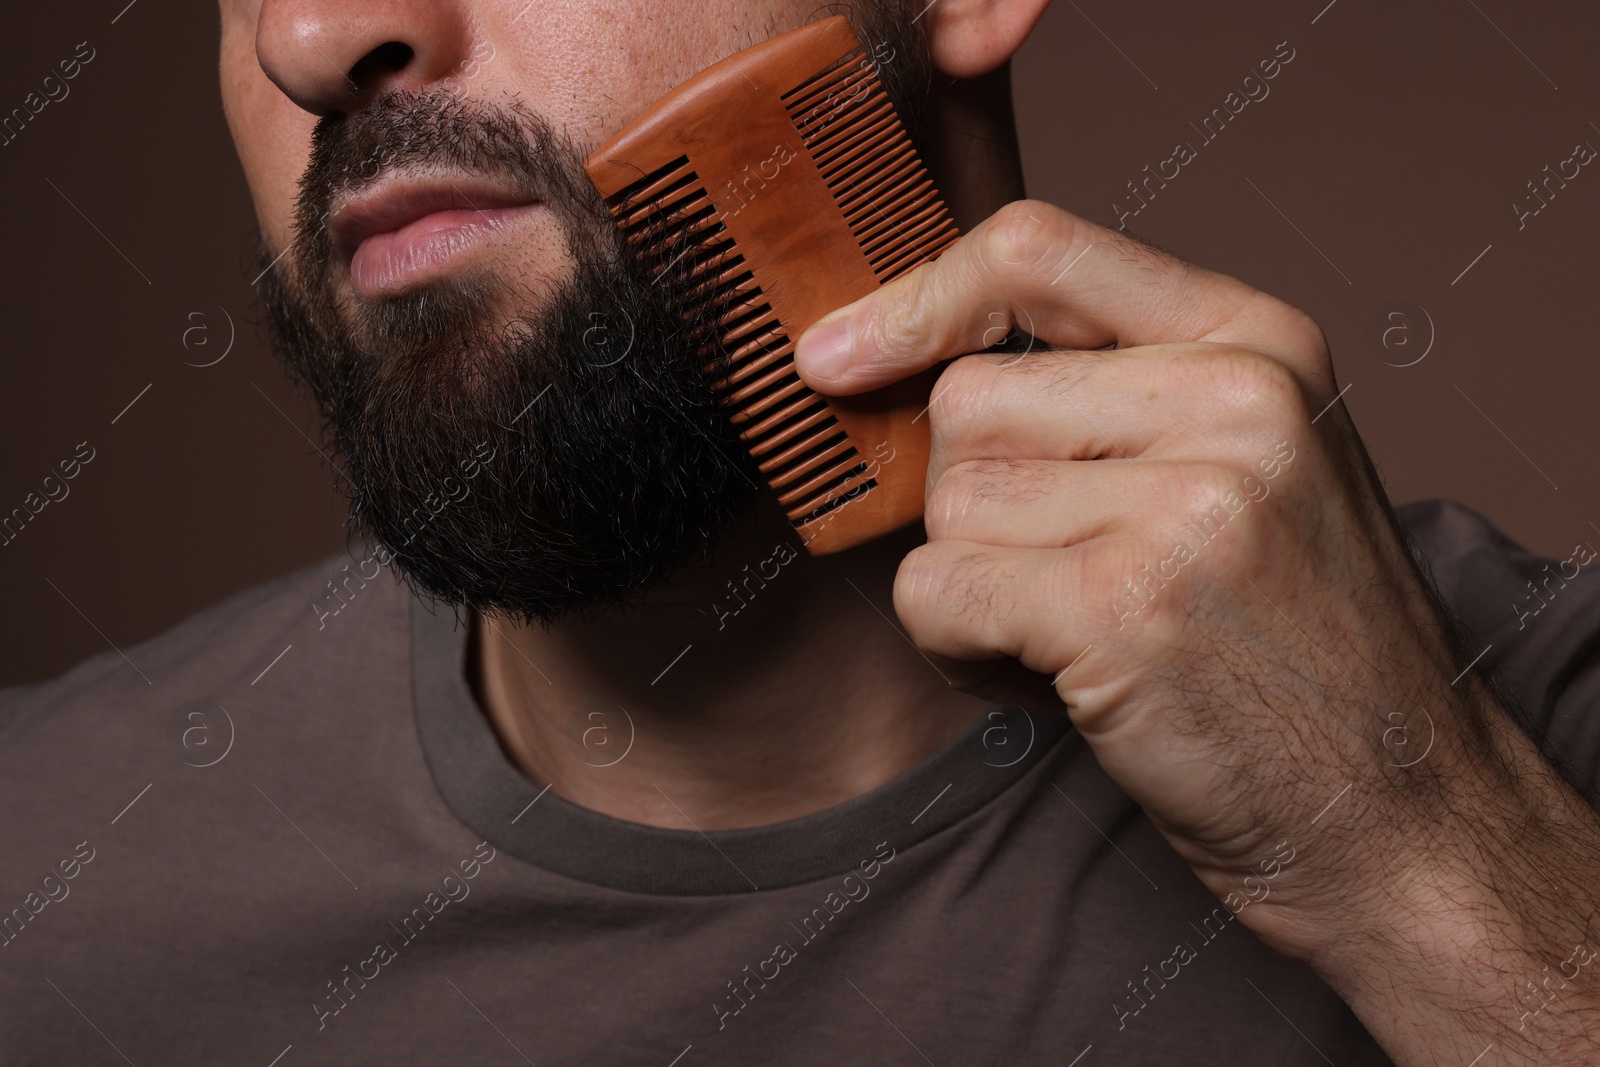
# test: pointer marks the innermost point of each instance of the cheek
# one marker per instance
(589, 66)
(271, 135)
(586, 66)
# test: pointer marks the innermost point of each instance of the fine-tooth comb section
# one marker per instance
(863, 153)
(771, 188)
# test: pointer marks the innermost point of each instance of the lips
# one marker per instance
(406, 231)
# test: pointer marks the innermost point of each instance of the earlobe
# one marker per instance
(970, 38)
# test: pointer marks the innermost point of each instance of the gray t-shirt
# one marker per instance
(299, 843)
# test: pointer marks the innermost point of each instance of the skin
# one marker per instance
(1268, 692)
(810, 696)
(1246, 692)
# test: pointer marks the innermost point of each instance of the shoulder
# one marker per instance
(1533, 619)
(1502, 592)
(223, 647)
(1456, 541)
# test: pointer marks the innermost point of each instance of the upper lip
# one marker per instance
(398, 201)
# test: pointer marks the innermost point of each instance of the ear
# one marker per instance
(970, 38)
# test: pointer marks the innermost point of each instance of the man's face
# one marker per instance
(516, 404)
(585, 67)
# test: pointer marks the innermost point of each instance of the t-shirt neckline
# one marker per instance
(487, 792)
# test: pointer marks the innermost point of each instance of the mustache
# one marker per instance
(443, 133)
(513, 466)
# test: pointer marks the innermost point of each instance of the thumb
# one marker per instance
(889, 334)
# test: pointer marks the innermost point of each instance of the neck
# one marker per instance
(974, 159)
(766, 684)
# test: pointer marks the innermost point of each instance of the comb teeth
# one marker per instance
(775, 186)
(802, 452)
(863, 153)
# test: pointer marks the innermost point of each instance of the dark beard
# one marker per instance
(559, 463)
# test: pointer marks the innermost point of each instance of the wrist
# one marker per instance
(1472, 926)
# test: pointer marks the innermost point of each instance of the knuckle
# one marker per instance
(1256, 387)
(1026, 233)
(1224, 512)
(1204, 488)
(898, 325)
(960, 397)
(935, 588)
(967, 487)
(978, 588)
(914, 313)
(1061, 578)
(1300, 332)
(1146, 585)
(950, 501)
(918, 585)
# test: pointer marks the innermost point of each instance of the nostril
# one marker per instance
(393, 54)
(387, 58)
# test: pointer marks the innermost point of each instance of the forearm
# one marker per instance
(1211, 582)
(1481, 944)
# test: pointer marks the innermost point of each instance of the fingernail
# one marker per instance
(824, 350)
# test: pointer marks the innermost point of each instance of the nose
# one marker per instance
(331, 56)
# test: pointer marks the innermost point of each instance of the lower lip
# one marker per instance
(425, 249)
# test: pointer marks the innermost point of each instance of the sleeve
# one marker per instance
(1535, 620)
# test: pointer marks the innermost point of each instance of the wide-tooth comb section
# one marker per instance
(668, 216)
(771, 188)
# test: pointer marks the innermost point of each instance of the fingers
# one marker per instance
(1037, 503)
(1038, 559)
(1172, 402)
(1041, 606)
(1062, 279)
(1053, 504)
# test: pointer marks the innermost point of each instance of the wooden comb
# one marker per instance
(781, 185)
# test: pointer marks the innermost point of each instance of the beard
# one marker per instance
(523, 454)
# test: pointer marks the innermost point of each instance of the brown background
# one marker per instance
(1391, 149)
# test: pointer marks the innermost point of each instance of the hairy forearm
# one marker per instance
(1477, 942)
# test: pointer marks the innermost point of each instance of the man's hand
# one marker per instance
(1184, 533)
